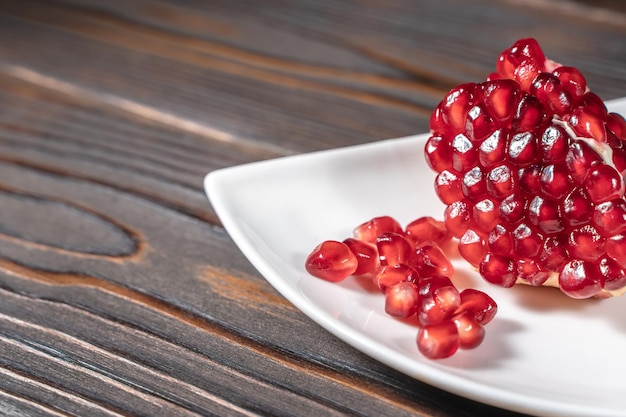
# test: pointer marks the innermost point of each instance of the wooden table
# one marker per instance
(120, 291)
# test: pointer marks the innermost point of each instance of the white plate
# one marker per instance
(544, 353)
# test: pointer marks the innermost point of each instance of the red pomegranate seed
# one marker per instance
(529, 115)
(393, 248)
(500, 240)
(473, 184)
(332, 261)
(464, 153)
(526, 241)
(610, 218)
(531, 271)
(478, 124)
(527, 49)
(545, 215)
(580, 279)
(522, 149)
(585, 243)
(485, 214)
(483, 307)
(472, 247)
(458, 216)
(613, 277)
(438, 153)
(553, 253)
(498, 270)
(571, 80)
(587, 124)
(555, 181)
(512, 209)
(554, 144)
(530, 178)
(371, 229)
(439, 299)
(616, 249)
(616, 124)
(427, 228)
(501, 181)
(604, 183)
(501, 98)
(401, 299)
(471, 333)
(448, 186)
(389, 275)
(430, 260)
(577, 208)
(547, 88)
(438, 341)
(492, 150)
(579, 159)
(366, 255)
(455, 105)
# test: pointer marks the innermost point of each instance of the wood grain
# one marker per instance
(120, 292)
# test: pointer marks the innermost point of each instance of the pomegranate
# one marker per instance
(532, 167)
(414, 274)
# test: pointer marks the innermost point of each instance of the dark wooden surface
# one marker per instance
(120, 292)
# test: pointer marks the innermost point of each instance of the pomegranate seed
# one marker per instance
(479, 124)
(585, 243)
(500, 240)
(579, 159)
(604, 183)
(571, 80)
(389, 275)
(529, 115)
(366, 255)
(471, 333)
(547, 88)
(439, 299)
(427, 228)
(473, 184)
(613, 276)
(498, 270)
(501, 181)
(554, 253)
(531, 271)
(610, 218)
(455, 105)
(587, 124)
(438, 153)
(555, 181)
(492, 150)
(483, 307)
(545, 215)
(485, 214)
(526, 241)
(577, 208)
(616, 249)
(472, 247)
(371, 229)
(401, 299)
(580, 279)
(522, 148)
(332, 261)
(501, 98)
(512, 209)
(554, 144)
(448, 186)
(616, 124)
(523, 50)
(438, 341)
(393, 249)
(458, 216)
(530, 178)
(464, 153)
(429, 260)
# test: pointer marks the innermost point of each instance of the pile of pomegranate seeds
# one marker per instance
(412, 271)
(531, 166)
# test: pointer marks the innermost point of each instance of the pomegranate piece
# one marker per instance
(532, 171)
(439, 299)
(389, 275)
(471, 333)
(438, 341)
(332, 261)
(366, 255)
(393, 249)
(430, 260)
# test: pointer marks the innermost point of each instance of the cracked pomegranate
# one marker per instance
(409, 267)
(531, 167)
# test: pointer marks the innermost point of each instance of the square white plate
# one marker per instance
(544, 353)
